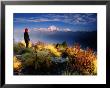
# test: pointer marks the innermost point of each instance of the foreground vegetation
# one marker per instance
(54, 59)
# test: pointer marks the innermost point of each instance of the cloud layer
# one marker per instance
(51, 28)
(70, 18)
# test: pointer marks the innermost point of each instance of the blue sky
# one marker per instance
(72, 21)
(49, 23)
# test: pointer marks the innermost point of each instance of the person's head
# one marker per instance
(26, 30)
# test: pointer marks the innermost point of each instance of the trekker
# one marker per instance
(26, 37)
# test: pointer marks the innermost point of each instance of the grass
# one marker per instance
(39, 57)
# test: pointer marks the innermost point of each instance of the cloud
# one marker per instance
(71, 18)
(83, 18)
(19, 19)
(34, 20)
(67, 29)
(51, 28)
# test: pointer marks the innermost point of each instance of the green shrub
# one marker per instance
(28, 59)
(26, 50)
(18, 47)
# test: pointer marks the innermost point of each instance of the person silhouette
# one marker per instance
(26, 37)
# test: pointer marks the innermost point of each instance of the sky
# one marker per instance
(52, 22)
